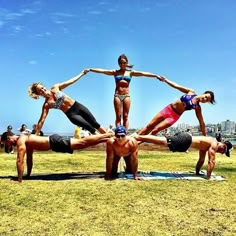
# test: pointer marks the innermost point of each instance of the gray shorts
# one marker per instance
(60, 144)
(179, 142)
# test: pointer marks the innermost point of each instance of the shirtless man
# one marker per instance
(26, 144)
(182, 141)
(121, 146)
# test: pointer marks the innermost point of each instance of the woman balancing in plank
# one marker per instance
(172, 112)
(77, 113)
(123, 77)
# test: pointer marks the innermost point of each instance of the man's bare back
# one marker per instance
(34, 142)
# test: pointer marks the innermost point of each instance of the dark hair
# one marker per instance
(5, 136)
(212, 96)
(21, 129)
(123, 56)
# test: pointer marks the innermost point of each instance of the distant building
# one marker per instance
(228, 127)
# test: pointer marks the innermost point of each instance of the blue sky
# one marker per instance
(190, 42)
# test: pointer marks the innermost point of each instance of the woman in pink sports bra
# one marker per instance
(172, 112)
(123, 77)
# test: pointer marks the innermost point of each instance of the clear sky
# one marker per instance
(190, 42)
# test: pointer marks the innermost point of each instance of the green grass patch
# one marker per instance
(98, 207)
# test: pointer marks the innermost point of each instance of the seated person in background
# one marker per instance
(121, 146)
(181, 142)
(23, 129)
(34, 130)
(26, 144)
(8, 148)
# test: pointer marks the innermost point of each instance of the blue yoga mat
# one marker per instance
(165, 175)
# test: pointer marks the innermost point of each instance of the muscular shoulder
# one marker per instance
(110, 141)
(213, 142)
(133, 143)
(46, 105)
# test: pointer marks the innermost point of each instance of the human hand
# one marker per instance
(138, 178)
(161, 78)
(85, 71)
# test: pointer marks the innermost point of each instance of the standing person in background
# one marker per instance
(123, 77)
(77, 113)
(8, 148)
(34, 130)
(110, 128)
(172, 112)
(77, 132)
(23, 129)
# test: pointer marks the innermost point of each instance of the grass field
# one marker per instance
(72, 206)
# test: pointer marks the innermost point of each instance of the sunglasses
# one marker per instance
(120, 136)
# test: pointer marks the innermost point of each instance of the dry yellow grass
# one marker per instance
(67, 205)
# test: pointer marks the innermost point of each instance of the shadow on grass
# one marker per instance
(144, 175)
(59, 176)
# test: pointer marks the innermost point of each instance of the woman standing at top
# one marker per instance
(122, 79)
(77, 113)
(172, 112)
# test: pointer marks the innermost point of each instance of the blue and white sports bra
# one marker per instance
(60, 96)
(187, 99)
(122, 77)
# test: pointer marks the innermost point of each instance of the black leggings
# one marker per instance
(80, 115)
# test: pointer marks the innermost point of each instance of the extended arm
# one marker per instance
(29, 161)
(211, 160)
(101, 71)
(179, 87)
(45, 110)
(109, 158)
(201, 160)
(198, 112)
(143, 73)
(21, 150)
(134, 157)
(65, 84)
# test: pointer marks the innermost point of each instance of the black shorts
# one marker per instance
(60, 144)
(179, 142)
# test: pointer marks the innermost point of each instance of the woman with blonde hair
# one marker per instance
(77, 113)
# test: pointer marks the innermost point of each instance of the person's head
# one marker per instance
(23, 127)
(225, 148)
(37, 89)
(123, 62)
(34, 126)
(229, 148)
(9, 128)
(9, 139)
(120, 133)
(207, 96)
